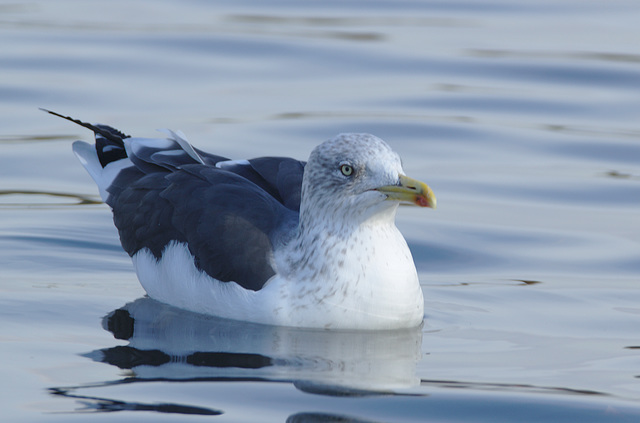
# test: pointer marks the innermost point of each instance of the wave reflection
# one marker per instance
(29, 198)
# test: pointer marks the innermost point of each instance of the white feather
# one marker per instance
(181, 139)
(231, 163)
(103, 177)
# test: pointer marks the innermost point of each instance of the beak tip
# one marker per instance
(426, 201)
(410, 191)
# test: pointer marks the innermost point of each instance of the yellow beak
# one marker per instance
(410, 191)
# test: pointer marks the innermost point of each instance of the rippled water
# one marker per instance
(522, 116)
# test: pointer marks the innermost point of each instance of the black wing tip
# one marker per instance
(107, 132)
(54, 113)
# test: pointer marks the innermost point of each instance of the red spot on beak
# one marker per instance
(422, 201)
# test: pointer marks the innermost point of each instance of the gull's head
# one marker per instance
(358, 175)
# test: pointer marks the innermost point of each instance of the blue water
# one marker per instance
(522, 116)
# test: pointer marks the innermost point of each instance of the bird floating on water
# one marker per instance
(270, 240)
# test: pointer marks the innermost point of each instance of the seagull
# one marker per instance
(269, 240)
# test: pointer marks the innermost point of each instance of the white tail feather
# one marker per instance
(103, 177)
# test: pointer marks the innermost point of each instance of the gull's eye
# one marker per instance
(347, 170)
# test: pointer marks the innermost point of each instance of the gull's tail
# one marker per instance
(106, 158)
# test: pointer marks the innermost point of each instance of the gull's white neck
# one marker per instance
(353, 272)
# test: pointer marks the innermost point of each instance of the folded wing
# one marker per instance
(231, 214)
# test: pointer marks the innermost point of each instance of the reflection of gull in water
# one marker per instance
(269, 240)
(170, 344)
(167, 345)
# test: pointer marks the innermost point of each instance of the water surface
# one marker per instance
(521, 116)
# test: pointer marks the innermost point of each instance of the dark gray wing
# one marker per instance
(231, 214)
(281, 177)
(231, 217)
